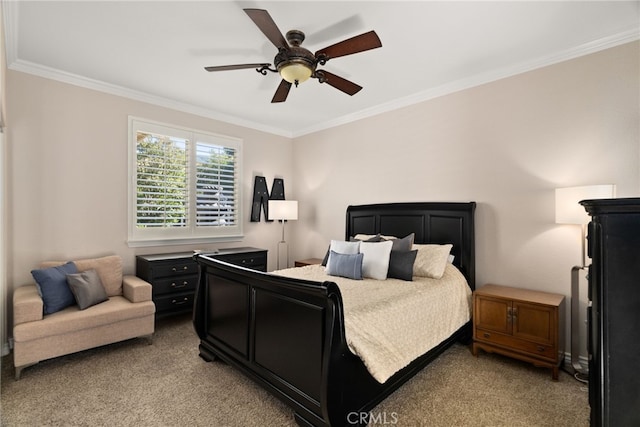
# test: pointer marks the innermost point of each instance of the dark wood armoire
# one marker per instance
(614, 312)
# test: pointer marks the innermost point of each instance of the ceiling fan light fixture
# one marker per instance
(295, 72)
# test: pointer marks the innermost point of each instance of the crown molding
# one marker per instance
(81, 81)
(626, 36)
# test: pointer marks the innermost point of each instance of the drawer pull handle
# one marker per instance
(177, 286)
(184, 268)
(487, 335)
(541, 349)
(176, 302)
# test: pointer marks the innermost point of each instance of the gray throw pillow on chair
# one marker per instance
(87, 288)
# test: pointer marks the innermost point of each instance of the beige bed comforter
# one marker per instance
(389, 323)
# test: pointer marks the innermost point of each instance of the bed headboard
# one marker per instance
(432, 222)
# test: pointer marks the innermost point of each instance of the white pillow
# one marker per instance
(342, 247)
(431, 260)
(375, 263)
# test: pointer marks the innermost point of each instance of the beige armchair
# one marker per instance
(129, 312)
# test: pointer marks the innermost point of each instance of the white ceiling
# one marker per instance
(155, 51)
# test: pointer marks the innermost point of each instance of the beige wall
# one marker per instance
(506, 145)
(68, 173)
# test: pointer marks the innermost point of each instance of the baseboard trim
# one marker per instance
(583, 360)
(5, 348)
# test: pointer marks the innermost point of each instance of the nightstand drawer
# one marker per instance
(175, 284)
(507, 341)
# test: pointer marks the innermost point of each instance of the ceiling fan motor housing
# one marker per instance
(295, 56)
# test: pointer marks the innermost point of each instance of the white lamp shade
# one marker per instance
(568, 209)
(283, 209)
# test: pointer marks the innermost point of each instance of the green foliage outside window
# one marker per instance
(161, 181)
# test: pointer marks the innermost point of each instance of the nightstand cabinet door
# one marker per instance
(493, 314)
(534, 322)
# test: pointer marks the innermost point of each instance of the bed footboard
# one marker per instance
(280, 332)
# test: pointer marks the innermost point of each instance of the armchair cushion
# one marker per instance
(71, 319)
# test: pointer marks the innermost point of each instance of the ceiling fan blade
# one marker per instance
(350, 46)
(350, 88)
(235, 67)
(266, 24)
(281, 92)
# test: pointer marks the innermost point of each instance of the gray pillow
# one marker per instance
(87, 288)
(403, 244)
(346, 265)
(401, 264)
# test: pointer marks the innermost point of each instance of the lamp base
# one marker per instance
(576, 367)
(283, 255)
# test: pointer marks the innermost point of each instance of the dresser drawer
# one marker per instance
(174, 303)
(508, 341)
(175, 284)
(178, 268)
(256, 260)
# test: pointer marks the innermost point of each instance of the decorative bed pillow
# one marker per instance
(326, 257)
(431, 260)
(342, 247)
(345, 265)
(405, 244)
(87, 288)
(367, 238)
(401, 264)
(53, 288)
(376, 259)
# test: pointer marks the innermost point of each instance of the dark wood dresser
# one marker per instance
(174, 276)
(614, 315)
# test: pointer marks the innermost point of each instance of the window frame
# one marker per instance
(192, 233)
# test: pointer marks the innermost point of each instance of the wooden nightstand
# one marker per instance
(309, 261)
(520, 323)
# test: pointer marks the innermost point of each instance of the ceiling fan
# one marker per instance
(297, 64)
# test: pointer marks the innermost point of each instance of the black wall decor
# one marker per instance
(261, 196)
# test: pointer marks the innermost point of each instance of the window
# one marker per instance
(184, 185)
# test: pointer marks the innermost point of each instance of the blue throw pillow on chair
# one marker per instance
(53, 288)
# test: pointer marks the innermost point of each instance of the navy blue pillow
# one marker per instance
(53, 288)
(346, 265)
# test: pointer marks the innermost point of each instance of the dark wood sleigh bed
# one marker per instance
(288, 334)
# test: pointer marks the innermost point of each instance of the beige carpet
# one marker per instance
(167, 384)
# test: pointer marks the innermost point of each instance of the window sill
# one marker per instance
(132, 243)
